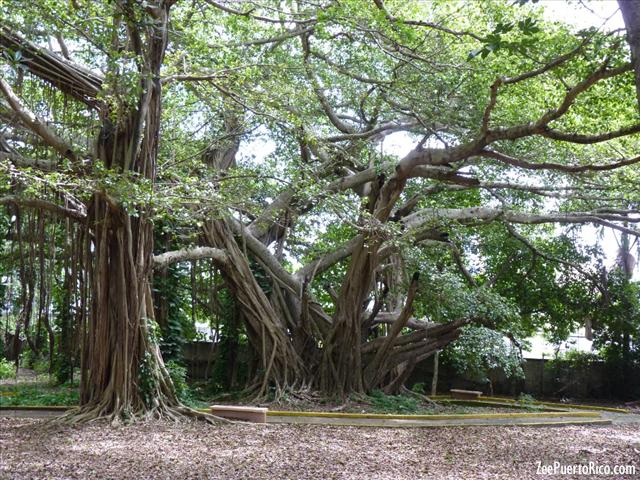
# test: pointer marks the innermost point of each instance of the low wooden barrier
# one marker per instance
(235, 412)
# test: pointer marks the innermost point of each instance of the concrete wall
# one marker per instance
(542, 379)
(592, 381)
(200, 358)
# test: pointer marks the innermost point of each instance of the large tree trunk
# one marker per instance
(342, 370)
(280, 365)
(353, 363)
(123, 373)
(270, 325)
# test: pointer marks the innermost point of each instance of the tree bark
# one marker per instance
(280, 365)
(631, 14)
(434, 380)
(123, 375)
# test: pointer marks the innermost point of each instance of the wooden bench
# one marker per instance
(465, 394)
(236, 412)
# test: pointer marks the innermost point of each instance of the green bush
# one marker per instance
(63, 369)
(178, 375)
(41, 366)
(39, 394)
(7, 369)
(398, 404)
(420, 388)
(480, 350)
(526, 398)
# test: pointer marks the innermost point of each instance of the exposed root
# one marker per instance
(277, 395)
(420, 396)
(189, 412)
(124, 416)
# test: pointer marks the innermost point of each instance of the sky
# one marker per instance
(583, 13)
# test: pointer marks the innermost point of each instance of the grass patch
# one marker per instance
(7, 369)
(33, 394)
(378, 402)
(528, 402)
(46, 393)
(29, 394)
(399, 404)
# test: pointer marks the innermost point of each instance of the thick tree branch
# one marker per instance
(194, 253)
(486, 215)
(20, 161)
(71, 78)
(590, 139)
(323, 262)
(266, 258)
(540, 125)
(373, 132)
(38, 203)
(516, 162)
(38, 126)
(418, 337)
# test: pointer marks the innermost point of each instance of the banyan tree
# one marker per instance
(340, 153)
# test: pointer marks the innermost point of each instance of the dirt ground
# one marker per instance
(30, 449)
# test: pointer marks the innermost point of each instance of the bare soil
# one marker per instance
(30, 449)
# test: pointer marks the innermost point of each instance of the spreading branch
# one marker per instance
(516, 162)
(475, 215)
(37, 203)
(190, 254)
(75, 80)
(37, 125)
